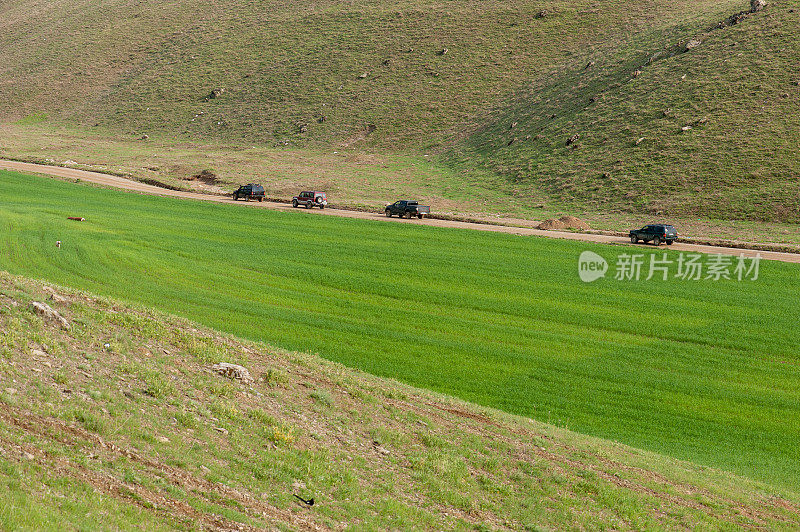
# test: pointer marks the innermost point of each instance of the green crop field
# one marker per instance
(704, 370)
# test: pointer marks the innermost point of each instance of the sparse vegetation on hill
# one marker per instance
(121, 421)
(405, 74)
(689, 120)
(495, 88)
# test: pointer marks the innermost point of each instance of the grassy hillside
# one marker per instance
(120, 422)
(372, 78)
(148, 67)
(737, 90)
(700, 370)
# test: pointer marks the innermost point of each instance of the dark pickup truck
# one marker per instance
(407, 209)
(249, 191)
(657, 234)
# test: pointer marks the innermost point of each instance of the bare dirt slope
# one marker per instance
(127, 184)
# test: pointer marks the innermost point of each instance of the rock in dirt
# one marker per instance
(757, 5)
(48, 314)
(162, 439)
(234, 371)
(694, 43)
(573, 139)
(55, 296)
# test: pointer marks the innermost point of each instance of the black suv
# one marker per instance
(656, 234)
(249, 191)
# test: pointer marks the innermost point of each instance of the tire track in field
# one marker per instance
(135, 186)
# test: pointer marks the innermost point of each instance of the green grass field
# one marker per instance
(706, 371)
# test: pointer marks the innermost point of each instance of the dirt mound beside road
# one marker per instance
(565, 222)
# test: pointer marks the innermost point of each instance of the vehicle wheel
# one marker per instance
(235, 197)
(634, 240)
(670, 242)
(419, 216)
(657, 241)
(260, 200)
(294, 203)
(308, 205)
(322, 206)
(388, 213)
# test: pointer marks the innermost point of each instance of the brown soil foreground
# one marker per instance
(128, 184)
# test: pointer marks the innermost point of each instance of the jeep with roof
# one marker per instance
(310, 198)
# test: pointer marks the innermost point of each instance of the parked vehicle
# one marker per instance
(407, 209)
(657, 234)
(310, 199)
(249, 191)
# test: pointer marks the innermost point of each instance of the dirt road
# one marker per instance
(128, 184)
